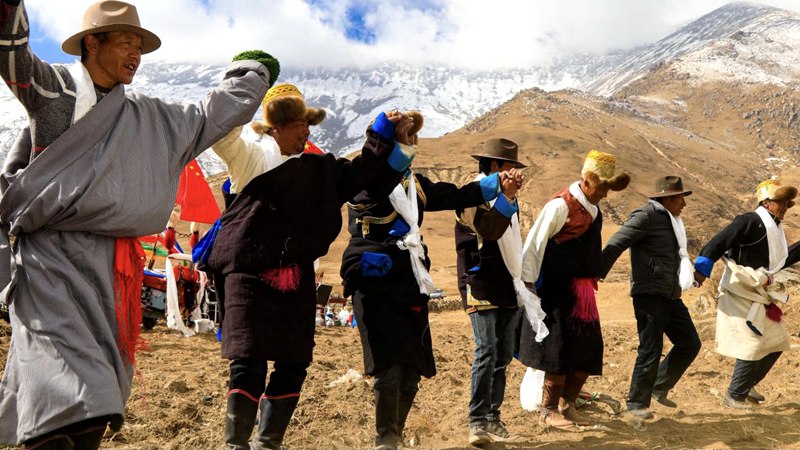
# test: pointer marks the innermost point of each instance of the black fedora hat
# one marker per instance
(502, 149)
(669, 185)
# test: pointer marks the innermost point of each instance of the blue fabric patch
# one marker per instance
(383, 126)
(504, 207)
(375, 265)
(226, 186)
(399, 228)
(704, 265)
(398, 160)
(490, 187)
(538, 284)
(202, 250)
(475, 269)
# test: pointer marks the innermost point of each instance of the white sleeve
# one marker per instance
(550, 221)
(243, 157)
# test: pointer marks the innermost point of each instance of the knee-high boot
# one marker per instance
(239, 421)
(387, 410)
(275, 417)
(572, 388)
(552, 389)
(403, 408)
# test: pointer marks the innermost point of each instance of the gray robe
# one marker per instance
(114, 173)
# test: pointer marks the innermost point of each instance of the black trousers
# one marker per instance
(249, 375)
(655, 317)
(747, 374)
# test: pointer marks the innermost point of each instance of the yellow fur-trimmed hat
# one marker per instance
(283, 104)
(774, 190)
(598, 169)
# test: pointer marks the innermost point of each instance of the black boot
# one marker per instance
(51, 442)
(387, 410)
(403, 407)
(275, 417)
(239, 421)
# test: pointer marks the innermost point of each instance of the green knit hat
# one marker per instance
(264, 58)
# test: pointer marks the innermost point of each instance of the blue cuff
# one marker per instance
(399, 228)
(490, 187)
(704, 265)
(383, 126)
(504, 207)
(398, 160)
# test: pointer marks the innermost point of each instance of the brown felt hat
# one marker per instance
(110, 15)
(502, 149)
(668, 186)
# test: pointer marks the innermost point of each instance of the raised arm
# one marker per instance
(34, 82)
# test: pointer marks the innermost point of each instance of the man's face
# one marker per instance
(674, 204)
(116, 58)
(594, 193)
(291, 138)
(777, 207)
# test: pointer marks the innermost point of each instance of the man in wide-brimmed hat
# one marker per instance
(106, 170)
(749, 326)
(385, 268)
(489, 256)
(660, 271)
(562, 260)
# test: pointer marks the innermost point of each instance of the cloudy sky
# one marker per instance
(483, 34)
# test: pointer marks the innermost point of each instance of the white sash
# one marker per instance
(685, 270)
(575, 190)
(776, 240)
(85, 95)
(405, 203)
(511, 248)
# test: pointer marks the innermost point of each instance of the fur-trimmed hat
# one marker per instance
(284, 104)
(774, 190)
(598, 169)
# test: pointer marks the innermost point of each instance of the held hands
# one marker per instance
(511, 181)
(699, 278)
(407, 126)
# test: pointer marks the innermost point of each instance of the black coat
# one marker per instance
(392, 315)
(483, 269)
(571, 345)
(744, 240)
(288, 216)
(654, 253)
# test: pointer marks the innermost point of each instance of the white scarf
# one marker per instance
(685, 270)
(85, 95)
(776, 241)
(575, 190)
(405, 203)
(511, 248)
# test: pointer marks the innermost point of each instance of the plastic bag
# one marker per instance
(530, 390)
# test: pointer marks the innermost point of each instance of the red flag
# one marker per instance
(195, 197)
(311, 148)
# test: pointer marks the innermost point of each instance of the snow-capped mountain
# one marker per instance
(762, 31)
(749, 34)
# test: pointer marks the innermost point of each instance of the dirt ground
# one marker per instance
(178, 402)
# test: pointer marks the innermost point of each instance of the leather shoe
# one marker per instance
(662, 398)
(755, 397)
(641, 413)
(732, 403)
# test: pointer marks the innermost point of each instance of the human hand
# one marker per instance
(403, 124)
(511, 181)
(699, 278)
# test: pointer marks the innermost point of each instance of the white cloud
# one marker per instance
(458, 33)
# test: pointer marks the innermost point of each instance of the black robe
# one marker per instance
(391, 313)
(571, 345)
(287, 216)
